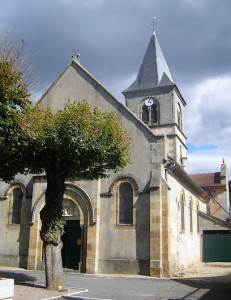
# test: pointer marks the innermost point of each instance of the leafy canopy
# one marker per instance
(77, 141)
(13, 91)
(16, 79)
(13, 100)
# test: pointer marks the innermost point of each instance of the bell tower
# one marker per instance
(155, 99)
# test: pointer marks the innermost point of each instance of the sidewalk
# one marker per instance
(36, 292)
(208, 281)
(29, 287)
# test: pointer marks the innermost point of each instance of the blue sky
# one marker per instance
(192, 147)
(112, 36)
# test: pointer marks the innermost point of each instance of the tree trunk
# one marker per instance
(52, 230)
(53, 266)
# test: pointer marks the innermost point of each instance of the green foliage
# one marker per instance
(13, 91)
(13, 100)
(15, 80)
(54, 232)
(77, 141)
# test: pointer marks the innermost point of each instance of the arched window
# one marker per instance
(182, 212)
(190, 215)
(198, 225)
(17, 205)
(181, 156)
(125, 203)
(154, 113)
(179, 116)
(150, 108)
(145, 114)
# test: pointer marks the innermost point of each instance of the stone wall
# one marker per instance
(185, 242)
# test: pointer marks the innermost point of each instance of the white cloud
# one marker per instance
(208, 115)
(208, 161)
(208, 122)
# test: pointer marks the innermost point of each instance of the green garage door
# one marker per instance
(216, 246)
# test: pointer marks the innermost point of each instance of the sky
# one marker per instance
(112, 36)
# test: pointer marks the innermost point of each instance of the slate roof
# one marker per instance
(207, 179)
(154, 71)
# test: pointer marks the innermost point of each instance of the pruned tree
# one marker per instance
(75, 142)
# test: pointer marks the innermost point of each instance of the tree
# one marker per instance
(76, 142)
(15, 81)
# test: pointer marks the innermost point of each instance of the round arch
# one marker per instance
(71, 209)
(128, 178)
(78, 195)
(15, 184)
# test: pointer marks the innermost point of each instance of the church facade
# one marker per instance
(144, 219)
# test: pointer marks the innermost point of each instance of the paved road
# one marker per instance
(136, 288)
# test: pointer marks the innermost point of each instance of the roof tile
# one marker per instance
(207, 179)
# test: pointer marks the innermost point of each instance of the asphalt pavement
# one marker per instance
(117, 287)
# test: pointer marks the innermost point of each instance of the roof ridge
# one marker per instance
(204, 173)
(214, 218)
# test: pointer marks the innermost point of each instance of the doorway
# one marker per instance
(72, 242)
(216, 246)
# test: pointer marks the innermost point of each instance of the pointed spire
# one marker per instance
(154, 71)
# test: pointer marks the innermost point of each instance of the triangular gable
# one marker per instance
(90, 79)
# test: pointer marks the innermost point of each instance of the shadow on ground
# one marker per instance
(208, 288)
(19, 278)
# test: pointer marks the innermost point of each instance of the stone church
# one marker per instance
(146, 219)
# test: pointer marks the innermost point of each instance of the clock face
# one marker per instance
(148, 101)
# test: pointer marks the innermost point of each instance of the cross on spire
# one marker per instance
(154, 22)
(75, 55)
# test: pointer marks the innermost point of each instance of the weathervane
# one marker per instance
(153, 23)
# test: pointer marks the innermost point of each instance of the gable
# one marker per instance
(77, 83)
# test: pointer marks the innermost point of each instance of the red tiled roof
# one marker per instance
(207, 179)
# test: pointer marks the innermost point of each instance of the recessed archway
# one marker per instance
(78, 211)
(73, 237)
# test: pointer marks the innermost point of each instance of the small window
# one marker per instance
(125, 203)
(17, 205)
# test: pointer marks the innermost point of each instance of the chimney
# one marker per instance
(223, 175)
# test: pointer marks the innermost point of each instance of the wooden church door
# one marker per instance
(71, 251)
